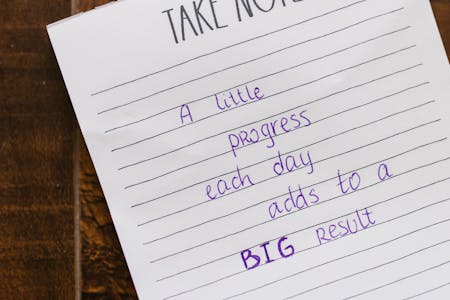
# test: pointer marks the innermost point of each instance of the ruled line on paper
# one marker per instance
(371, 269)
(227, 47)
(285, 111)
(428, 291)
(266, 97)
(317, 246)
(293, 212)
(398, 280)
(263, 77)
(283, 133)
(235, 233)
(327, 262)
(276, 176)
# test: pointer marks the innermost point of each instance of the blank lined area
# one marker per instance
(439, 291)
(405, 266)
(409, 279)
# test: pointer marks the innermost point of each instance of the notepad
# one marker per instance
(268, 149)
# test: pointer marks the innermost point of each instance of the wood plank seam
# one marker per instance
(76, 194)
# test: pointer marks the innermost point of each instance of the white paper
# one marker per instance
(339, 88)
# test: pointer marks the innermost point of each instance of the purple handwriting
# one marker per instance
(252, 260)
(352, 182)
(185, 113)
(383, 172)
(290, 163)
(268, 131)
(358, 221)
(222, 186)
(237, 97)
(297, 199)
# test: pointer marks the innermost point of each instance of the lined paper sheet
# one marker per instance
(268, 149)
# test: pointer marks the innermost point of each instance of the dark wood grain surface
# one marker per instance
(57, 240)
(36, 157)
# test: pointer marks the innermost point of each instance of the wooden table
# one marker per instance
(56, 236)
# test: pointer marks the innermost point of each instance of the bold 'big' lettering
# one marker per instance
(252, 260)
